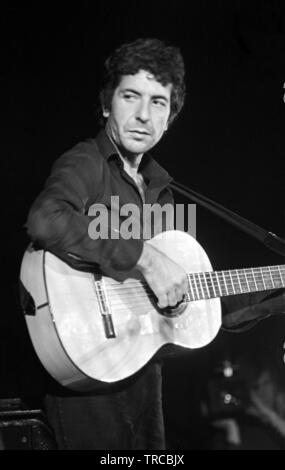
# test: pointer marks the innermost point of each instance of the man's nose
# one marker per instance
(143, 111)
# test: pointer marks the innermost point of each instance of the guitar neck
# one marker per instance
(207, 285)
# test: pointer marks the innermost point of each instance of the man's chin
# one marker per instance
(138, 147)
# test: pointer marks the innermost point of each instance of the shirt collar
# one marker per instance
(149, 168)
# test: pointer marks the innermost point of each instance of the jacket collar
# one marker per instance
(149, 168)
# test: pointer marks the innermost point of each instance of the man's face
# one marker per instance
(139, 113)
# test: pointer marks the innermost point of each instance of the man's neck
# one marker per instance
(131, 166)
(131, 162)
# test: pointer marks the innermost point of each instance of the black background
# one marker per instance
(228, 144)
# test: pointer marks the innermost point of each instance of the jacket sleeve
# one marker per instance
(58, 220)
(241, 308)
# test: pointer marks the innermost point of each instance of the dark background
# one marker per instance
(227, 144)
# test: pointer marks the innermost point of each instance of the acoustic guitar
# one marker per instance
(90, 330)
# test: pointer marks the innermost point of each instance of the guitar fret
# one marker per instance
(236, 282)
(206, 285)
(268, 278)
(221, 282)
(239, 283)
(259, 279)
(271, 277)
(229, 280)
(211, 284)
(200, 287)
(215, 273)
(225, 282)
(246, 280)
(192, 297)
(276, 277)
(251, 280)
(194, 286)
(281, 284)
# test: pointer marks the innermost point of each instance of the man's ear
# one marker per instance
(106, 112)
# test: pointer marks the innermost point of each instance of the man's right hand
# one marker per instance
(167, 279)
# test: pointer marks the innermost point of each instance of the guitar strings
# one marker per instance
(189, 297)
(217, 276)
(201, 281)
(201, 287)
(202, 284)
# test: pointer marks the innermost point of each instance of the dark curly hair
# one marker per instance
(165, 62)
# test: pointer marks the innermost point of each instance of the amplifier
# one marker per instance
(22, 428)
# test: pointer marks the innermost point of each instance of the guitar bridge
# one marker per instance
(105, 310)
(108, 325)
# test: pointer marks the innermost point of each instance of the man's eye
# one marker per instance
(159, 103)
(129, 97)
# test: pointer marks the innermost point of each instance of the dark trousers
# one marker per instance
(129, 419)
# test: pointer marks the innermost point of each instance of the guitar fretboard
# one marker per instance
(206, 285)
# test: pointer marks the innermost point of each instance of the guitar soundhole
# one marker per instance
(172, 312)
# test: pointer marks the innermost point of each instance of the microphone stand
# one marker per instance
(269, 239)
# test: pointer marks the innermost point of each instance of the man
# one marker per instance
(142, 93)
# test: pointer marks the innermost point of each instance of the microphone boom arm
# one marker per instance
(269, 239)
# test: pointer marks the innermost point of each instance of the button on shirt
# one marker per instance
(89, 174)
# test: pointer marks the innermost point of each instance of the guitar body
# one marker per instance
(68, 330)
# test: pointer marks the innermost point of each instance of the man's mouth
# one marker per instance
(139, 132)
